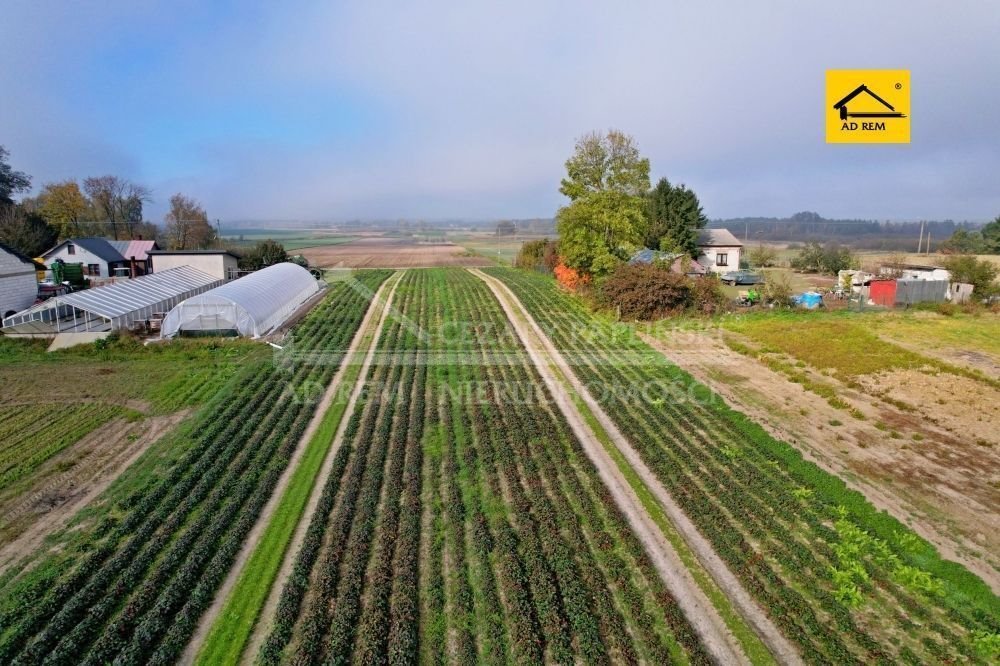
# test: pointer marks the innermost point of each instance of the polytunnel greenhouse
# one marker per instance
(252, 306)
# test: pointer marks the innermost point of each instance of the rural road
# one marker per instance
(702, 615)
(264, 621)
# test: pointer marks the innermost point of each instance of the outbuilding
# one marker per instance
(18, 281)
(222, 264)
(252, 306)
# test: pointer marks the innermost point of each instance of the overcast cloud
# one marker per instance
(319, 110)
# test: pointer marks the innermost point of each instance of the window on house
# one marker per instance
(94, 269)
(71, 249)
(722, 259)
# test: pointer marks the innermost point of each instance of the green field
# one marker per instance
(291, 239)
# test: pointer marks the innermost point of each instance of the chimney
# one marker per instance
(132, 267)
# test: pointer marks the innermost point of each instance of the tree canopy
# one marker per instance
(606, 180)
(187, 225)
(263, 254)
(675, 216)
(11, 182)
(983, 241)
(27, 232)
(119, 202)
(65, 208)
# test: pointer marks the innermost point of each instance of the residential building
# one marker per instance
(102, 258)
(719, 251)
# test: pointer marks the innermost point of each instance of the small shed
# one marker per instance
(252, 306)
(882, 292)
(113, 307)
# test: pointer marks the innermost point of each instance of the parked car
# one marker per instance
(742, 277)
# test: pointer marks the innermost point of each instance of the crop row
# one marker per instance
(41, 432)
(846, 583)
(134, 590)
(467, 530)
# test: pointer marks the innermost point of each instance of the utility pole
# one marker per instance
(920, 242)
(928, 250)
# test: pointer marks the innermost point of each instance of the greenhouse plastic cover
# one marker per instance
(253, 305)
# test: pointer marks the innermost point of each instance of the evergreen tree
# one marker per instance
(675, 216)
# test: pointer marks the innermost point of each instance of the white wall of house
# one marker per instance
(710, 258)
(79, 256)
(18, 284)
(222, 266)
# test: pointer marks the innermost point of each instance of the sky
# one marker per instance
(300, 110)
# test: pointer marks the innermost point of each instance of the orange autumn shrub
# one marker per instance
(570, 278)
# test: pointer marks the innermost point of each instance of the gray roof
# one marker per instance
(717, 237)
(97, 246)
(647, 256)
(127, 296)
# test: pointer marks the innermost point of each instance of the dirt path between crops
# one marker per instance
(94, 463)
(698, 609)
(250, 543)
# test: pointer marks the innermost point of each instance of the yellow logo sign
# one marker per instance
(867, 106)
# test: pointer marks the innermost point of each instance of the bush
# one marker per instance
(763, 256)
(829, 258)
(776, 288)
(706, 292)
(653, 291)
(645, 291)
(570, 278)
(538, 255)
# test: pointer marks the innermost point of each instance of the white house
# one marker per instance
(99, 257)
(219, 263)
(18, 282)
(719, 250)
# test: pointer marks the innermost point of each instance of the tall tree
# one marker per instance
(118, 201)
(606, 180)
(187, 225)
(26, 232)
(11, 182)
(675, 216)
(64, 207)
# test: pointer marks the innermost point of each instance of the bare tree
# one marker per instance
(187, 224)
(119, 201)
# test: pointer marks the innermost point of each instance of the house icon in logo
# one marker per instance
(845, 114)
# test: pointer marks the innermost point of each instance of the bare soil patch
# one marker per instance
(375, 252)
(72, 479)
(935, 468)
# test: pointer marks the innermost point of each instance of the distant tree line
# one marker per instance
(809, 226)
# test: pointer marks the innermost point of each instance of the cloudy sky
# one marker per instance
(407, 108)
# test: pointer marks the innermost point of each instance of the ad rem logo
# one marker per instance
(865, 125)
(864, 115)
